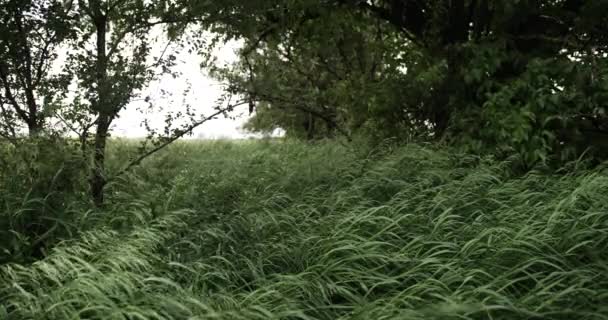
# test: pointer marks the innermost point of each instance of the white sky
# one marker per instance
(193, 87)
(202, 96)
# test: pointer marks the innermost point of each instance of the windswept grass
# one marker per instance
(262, 230)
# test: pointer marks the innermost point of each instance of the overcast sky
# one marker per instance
(202, 95)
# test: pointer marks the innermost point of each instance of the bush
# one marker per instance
(41, 181)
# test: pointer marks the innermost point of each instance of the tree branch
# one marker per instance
(12, 135)
(302, 107)
(27, 74)
(9, 94)
(87, 9)
(170, 140)
(259, 40)
(115, 5)
(43, 57)
(387, 15)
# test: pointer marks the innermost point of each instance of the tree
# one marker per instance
(112, 65)
(517, 73)
(112, 62)
(31, 33)
(317, 71)
(525, 77)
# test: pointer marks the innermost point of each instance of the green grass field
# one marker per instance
(288, 230)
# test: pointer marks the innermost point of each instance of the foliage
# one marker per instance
(111, 61)
(31, 33)
(41, 183)
(552, 112)
(322, 72)
(279, 230)
(525, 77)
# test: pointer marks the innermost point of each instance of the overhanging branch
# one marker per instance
(170, 140)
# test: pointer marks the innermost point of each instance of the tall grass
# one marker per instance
(41, 196)
(264, 230)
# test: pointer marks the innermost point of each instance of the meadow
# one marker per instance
(292, 230)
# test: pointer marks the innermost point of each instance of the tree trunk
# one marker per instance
(98, 178)
(456, 33)
(102, 107)
(310, 127)
(449, 95)
(34, 129)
